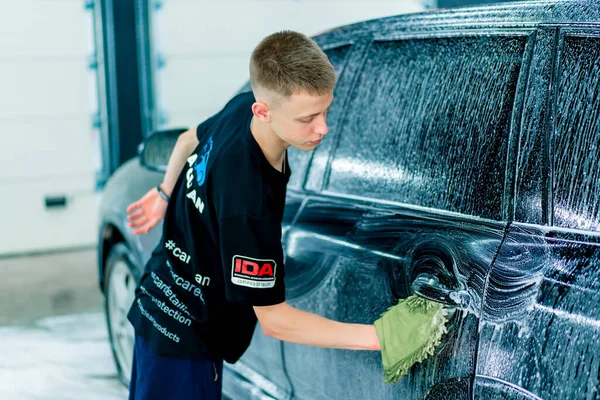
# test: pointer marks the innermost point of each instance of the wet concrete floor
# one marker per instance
(43, 285)
(53, 338)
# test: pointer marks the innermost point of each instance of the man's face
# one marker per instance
(300, 120)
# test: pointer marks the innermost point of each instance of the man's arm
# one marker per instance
(145, 213)
(290, 324)
(186, 143)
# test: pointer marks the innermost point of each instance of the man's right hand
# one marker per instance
(144, 214)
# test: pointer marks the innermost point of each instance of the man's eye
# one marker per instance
(306, 121)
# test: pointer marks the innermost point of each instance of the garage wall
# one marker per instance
(47, 146)
(206, 44)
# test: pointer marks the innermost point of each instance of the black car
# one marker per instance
(462, 163)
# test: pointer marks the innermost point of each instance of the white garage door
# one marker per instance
(206, 44)
(47, 96)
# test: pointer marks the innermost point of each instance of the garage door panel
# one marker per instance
(45, 148)
(45, 87)
(185, 25)
(27, 225)
(47, 97)
(202, 82)
(37, 27)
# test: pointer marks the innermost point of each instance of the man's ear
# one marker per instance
(261, 111)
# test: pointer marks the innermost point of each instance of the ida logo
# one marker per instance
(252, 272)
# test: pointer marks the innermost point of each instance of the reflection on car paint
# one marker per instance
(541, 328)
(365, 256)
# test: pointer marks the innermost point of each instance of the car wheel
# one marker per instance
(120, 278)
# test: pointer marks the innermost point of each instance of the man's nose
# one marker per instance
(322, 128)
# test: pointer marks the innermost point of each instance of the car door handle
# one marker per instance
(429, 287)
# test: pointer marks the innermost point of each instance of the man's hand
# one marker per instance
(409, 332)
(144, 214)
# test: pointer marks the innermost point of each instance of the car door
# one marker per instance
(260, 373)
(540, 330)
(414, 189)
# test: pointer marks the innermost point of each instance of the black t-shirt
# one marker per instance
(220, 253)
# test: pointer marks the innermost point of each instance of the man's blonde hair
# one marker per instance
(289, 62)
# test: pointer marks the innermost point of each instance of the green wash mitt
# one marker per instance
(408, 333)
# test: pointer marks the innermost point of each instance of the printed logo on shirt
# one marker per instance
(185, 284)
(252, 272)
(198, 164)
(177, 252)
(172, 296)
(203, 280)
(182, 319)
(157, 326)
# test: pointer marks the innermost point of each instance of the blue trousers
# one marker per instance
(166, 378)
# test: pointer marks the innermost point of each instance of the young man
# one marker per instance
(219, 265)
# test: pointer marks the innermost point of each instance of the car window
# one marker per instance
(428, 123)
(299, 160)
(577, 135)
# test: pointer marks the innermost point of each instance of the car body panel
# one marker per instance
(515, 15)
(259, 372)
(351, 260)
(540, 331)
(489, 388)
(128, 184)
(541, 326)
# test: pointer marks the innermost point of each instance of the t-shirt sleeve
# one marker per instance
(203, 127)
(252, 260)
